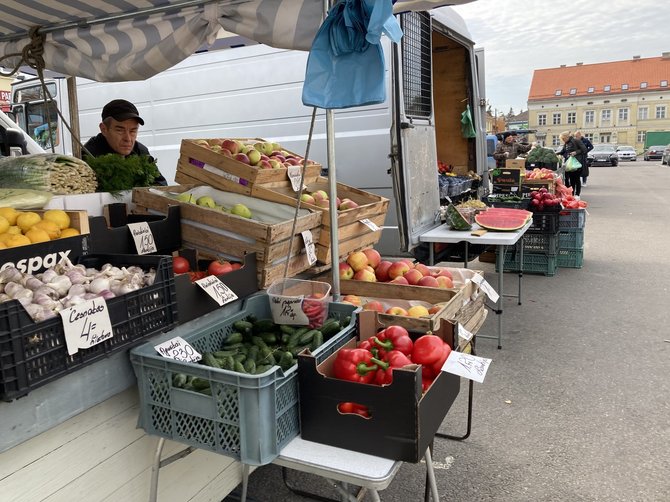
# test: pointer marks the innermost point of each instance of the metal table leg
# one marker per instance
(158, 464)
(500, 259)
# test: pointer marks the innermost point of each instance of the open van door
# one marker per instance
(414, 162)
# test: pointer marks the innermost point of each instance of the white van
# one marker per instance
(255, 91)
(13, 140)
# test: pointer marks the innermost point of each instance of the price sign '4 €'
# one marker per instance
(143, 237)
(86, 325)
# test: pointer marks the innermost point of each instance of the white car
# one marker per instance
(625, 152)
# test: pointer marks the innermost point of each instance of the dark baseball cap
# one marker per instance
(120, 109)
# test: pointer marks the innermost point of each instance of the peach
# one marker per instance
(396, 311)
(357, 260)
(397, 269)
(418, 311)
(413, 276)
(365, 275)
(374, 258)
(373, 305)
(429, 281)
(346, 272)
(444, 282)
(382, 271)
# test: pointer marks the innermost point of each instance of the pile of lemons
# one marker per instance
(19, 228)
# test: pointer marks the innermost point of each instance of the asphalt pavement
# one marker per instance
(576, 405)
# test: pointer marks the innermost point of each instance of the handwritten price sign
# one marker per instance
(486, 287)
(295, 175)
(467, 366)
(310, 249)
(178, 349)
(213, 286)
(86, 325)
(288, 310)
(143, 237)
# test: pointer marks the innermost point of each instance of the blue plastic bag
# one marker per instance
(346, 67)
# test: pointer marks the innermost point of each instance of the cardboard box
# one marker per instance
(515, 163)
(506, 175)
(402, 421)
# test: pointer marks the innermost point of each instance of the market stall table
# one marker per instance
(500, 239)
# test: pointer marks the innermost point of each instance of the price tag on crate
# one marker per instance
(464, 333)
(86, 325)
(213, 286)
(310, 248)
(486, 287)
(178, 349)
(288, 310)
(467, 366)
(370, 224)
(143, 237)
(294, 174)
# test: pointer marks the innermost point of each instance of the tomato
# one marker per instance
(236, 265)
(180, 265)
(194, 276)
(218, 267)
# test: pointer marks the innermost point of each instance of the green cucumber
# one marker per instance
(208, 359)
(264, 325)
(234, 337)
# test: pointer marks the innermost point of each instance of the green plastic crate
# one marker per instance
(571, 239)
(571, 258)
(546, 243)
(571, 219)
(533, 263)
(247, 417)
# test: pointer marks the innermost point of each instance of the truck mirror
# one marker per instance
(15, 140)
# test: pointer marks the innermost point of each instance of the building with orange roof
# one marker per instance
(615, 102)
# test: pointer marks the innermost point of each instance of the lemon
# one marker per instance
(28, 219)
(10, 214)
(17, 240)
(4, 225)
(13, 230)
(4, 237)
(3, 245)
(58, 216)
(36, 234)
(68, 232)
(50, 227)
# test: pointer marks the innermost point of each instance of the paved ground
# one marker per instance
(576, 406)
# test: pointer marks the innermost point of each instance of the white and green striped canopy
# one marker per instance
(117, 40)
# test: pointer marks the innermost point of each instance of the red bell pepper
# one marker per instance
(431, 352)
(394, 359)
(353, 408)
(394, 338)
(436, 367)
(354, 365)
(369, 345)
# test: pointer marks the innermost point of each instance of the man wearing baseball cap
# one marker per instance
(118, 133)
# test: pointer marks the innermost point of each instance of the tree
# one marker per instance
(510, 114)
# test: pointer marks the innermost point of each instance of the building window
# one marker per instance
(572, 117)
(664, 83)
(606, 115)
(558, 92)
(556, 118)
(623, 114)
(589, 117)
(605, 137)
(591, 89)
(607, 88)
(624, 87)
(555, 140)
(641, 136)
(643, 113)
(589, 136)
(542, 119)
(573, 91)
(643, 85)
(660, 112)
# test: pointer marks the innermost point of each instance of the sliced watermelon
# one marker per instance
(510, 212)
(503, 219)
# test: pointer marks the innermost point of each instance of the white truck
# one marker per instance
(254, 90)
(13, 140)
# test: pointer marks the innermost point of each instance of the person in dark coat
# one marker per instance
(589, 147)
(572, 147)
(509, 148)
(118, 133)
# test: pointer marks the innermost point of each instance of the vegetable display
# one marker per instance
(48, 172)
(116, 173)
(543, 155)
(24, 198)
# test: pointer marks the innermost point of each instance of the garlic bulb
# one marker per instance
(61, 284)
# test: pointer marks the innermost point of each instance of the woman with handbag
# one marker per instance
(574, 153)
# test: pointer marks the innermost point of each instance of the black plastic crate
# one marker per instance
(35, 353)
(544, 222)
(539, 243)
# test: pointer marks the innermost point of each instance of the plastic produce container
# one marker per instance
(315, 296)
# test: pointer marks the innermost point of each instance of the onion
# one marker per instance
(99, 284)
(61, 284)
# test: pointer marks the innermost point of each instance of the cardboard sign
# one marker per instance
(86, 324)
(213, 286)
(467, 366)
(143, 237)
(288, 310)
(294, 174)
(486, 287)
(310, 248)
(370, 224)
(179, 349)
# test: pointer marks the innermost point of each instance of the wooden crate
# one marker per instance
(216, 233)
(353, 235)
(209, 167)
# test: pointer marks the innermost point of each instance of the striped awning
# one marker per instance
(117, 40)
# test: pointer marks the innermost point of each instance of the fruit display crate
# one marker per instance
(544, 222)
(247, 417)
(493, 201)
(200, 164)
(570, 258)
(572, 219)
(536, 184)
(571, 238)
(35, 353)
(540, 243)
(533, 263)
(353, 235)
(217, 233)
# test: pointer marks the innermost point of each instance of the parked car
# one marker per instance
(654, 152)
(665, 160)
(625, 152)
(603, 154)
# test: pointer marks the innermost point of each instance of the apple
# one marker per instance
(231, 145)
(338, 202)
(201, 142)
(293, 161)
(397, 269)
(374, 258)
(216, 148)
(436, 272)
(357, 260)
(435, 308)
(365, 275)
(348, 204)
(409, 262)
(352, 299)
(307, 198)
(227, 153)
(444, 282)
(205, 201)
(275, 164)
(242, 157)
(373, 305)
(264, 157)
(346, 272)
(320, 193)
(422, 268)
(264, 164)
(245, 149)
(382, 271)
(429, 281)
(400, 280)
(396, 311)
(417, 311)
(278, 156)
(215, 141)
(413, 276)
(254, 156)
(324, 203)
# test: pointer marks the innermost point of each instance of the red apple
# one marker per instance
(396, 311)
(436, 308)
(231, 145)
(398, 269)
(374, 258)
(373, 305)
(226, 153)
(241, 157)
(382, 271)
(422, 268)
(365, 275)
(264, 164)
(409, 262)
(400, 280)
(429, 281)
(353, 299)
(346, 272)
(348, 204)
(413, 276)
(441, 271)
(215, 141)
(358, 260)
(307, 198)
(444, 282)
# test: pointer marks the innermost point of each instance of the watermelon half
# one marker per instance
(503, 219)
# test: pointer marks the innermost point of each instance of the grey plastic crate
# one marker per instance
(247, 417)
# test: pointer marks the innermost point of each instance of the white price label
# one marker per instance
(294, 174)
(370, 224)
(86, 325)
(288, 310)
(213, 286)
(178, 349)
(143, 237)
(467, 366)
(310, 248)
(464, 333)
(486, 287)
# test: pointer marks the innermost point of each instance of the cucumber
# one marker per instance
(258, 341)
(306, 338)
(234, 337)
(264, 325)
(228, 363)
(286, 360)
(240, 357)
(220, 354)
(331, 328)
(269, 338)
(199, 383)
(239, 367)
(317, 341)
(262, 368)
(179, 380)
(250, 366)
(208, 359)
(243, 326)
(253, 352)
(286, 329)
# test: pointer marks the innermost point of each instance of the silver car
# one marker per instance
(625, 152)
(665, 159)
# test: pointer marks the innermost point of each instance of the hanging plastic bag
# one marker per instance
(467, 128)
(346, 67)
(572, 164)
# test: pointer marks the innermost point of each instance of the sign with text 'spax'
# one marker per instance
(86, 324)
(143, 237)
(213, 286)
(467, 366)
(486, 287)
(179, 349)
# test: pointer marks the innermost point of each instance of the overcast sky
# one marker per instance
(522, 36)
